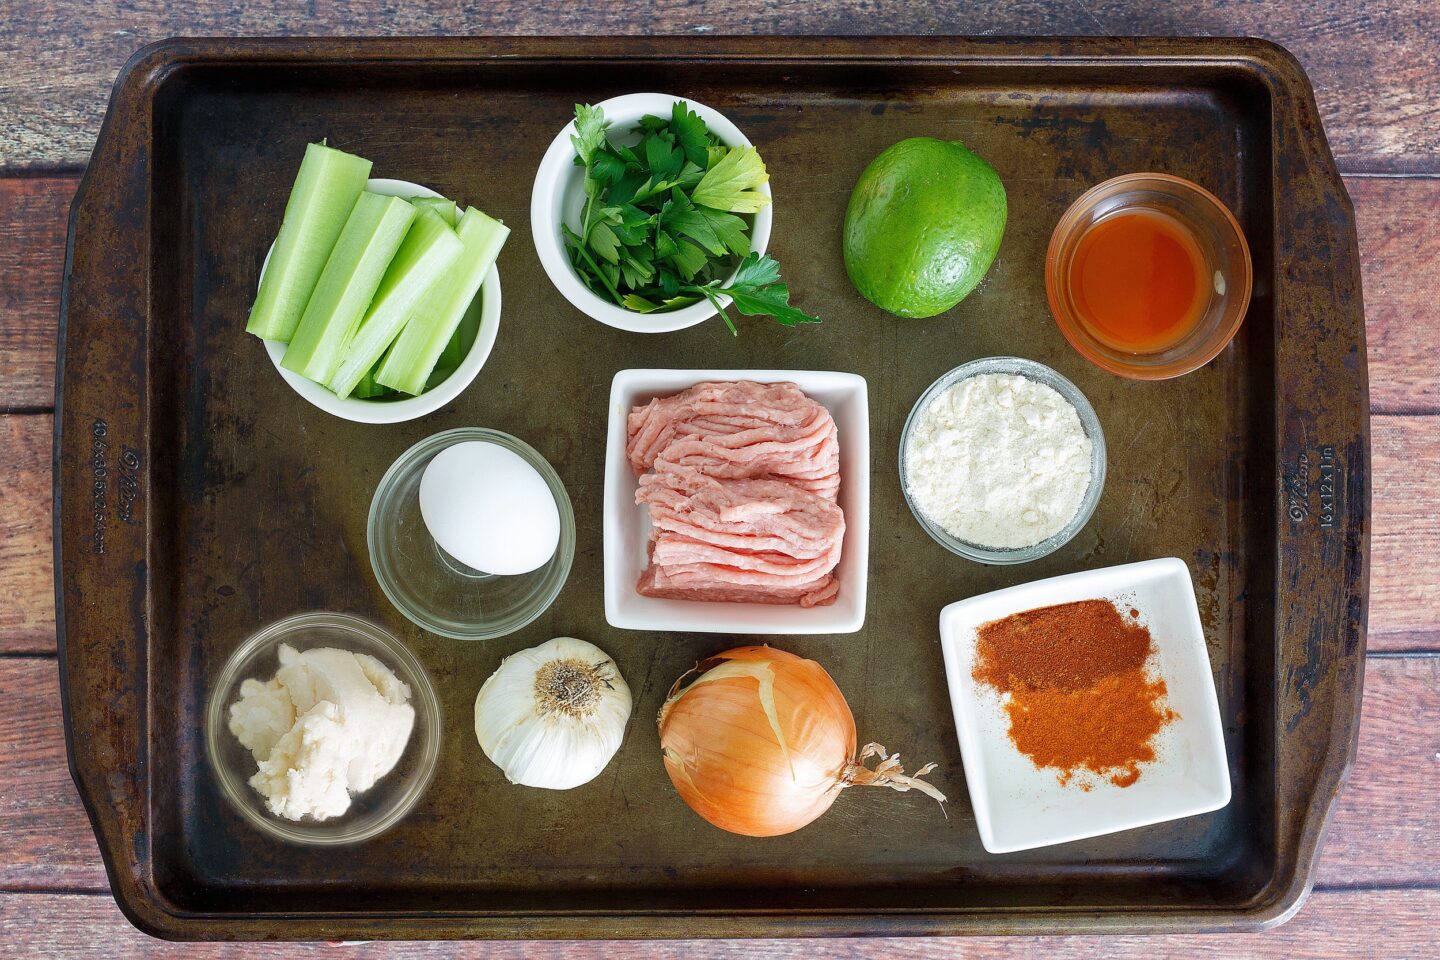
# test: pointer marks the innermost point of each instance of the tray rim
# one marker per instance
(1295, 125)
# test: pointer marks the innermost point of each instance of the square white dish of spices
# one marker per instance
(1085, 705)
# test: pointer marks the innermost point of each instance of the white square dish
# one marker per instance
(1018, 805)
(627, 525)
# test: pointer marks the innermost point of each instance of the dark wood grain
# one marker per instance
(1383, 831)
(32, 251)
(1398, 224)
(62, 55)
(27, 584)
(1405, 544)
(46, 842)
(1374, 925)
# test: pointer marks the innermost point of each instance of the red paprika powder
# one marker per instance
(1079, 695)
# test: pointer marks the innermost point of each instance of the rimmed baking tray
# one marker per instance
(197, 498)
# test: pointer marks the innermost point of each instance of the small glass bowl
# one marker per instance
(370, 812)
(1221, 242)
(1041, 374)
(433, 589)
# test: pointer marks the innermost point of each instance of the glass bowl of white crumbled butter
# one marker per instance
(1002, 460)
(322, 729)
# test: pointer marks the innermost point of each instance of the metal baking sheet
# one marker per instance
(198, 498)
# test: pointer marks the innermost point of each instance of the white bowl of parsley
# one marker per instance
(652, 213)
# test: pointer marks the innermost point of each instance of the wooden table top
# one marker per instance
(1376, 71)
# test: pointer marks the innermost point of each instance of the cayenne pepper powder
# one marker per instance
(1080, 698)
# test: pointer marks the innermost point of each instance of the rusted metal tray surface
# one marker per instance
(198, 498)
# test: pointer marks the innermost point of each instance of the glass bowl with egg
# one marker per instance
(1006, 475)
(471, 534)
(340, 728)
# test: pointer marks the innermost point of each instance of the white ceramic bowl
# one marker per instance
(559, 195)
(627, 524)
(409, 408)
(1018, 805)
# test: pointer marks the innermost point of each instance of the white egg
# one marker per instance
(489, 509)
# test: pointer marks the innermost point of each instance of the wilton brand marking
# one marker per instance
(1318, 498)
(99, 483)
(127, 484)
(1297, 489)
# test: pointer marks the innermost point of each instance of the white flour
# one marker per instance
(998, 460)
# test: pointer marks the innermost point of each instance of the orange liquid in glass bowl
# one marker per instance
(1139, 280)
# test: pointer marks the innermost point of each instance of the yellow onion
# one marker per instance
(761, 742)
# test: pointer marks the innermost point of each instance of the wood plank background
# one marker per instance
(1373, 64)
(1376, 71)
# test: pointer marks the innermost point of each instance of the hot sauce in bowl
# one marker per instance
(1139, 280)
(1148, 276)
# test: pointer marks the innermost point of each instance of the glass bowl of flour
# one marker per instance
(1002, 460)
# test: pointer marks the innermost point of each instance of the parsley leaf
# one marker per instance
(731, 184)
(589, 136)
(688, 260)
(756, 291)
(607, 167)
(757, 272)
(641, 304)
(635, 273)
(772, 301)
(715, 231)
(662, 158)
(604, 242)
(691, 134)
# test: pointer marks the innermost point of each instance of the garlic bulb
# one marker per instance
(553, 715)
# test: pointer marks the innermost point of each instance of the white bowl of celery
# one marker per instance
(380, 300)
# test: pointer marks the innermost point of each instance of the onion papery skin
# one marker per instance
(723, 757)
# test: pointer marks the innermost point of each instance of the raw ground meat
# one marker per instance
(741, 485)
(739, 431)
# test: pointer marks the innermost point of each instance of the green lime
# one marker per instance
(923, 226)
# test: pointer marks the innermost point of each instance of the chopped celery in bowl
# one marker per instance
(330, 368)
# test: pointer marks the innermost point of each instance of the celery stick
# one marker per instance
(428, 251)
(368, 389)
(371, 236)
(325, 191)
(446, 208)
(423, 340)
(459, 343)
(468, 330)
(450, 357)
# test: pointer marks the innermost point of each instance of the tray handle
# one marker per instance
(1322, 441)
(102, 482)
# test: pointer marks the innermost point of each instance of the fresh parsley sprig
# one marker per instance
(662, 228)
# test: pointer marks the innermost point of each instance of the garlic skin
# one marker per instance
(552, 716)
